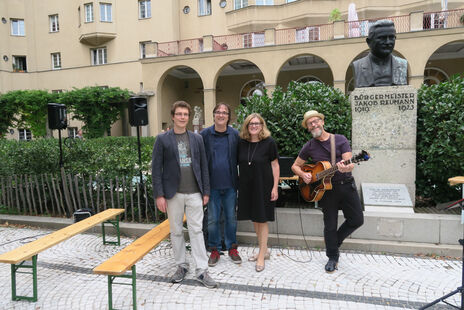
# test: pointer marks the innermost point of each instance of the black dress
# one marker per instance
(256, 180)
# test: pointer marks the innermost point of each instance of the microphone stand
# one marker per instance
(460, 289)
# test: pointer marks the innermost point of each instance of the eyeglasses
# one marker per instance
(221, 113)
(179, 114)
(254, 124)
(313, 123)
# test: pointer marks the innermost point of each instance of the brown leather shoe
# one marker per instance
(213, 258)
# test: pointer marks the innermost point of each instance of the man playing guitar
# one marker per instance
(343, 196)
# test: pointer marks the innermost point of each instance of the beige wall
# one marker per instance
(121, 37)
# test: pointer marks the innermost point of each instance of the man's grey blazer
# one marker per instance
(165, 166)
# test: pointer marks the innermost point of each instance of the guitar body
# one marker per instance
(315, 189)
(321, 179)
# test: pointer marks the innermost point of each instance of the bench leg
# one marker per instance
(133, 277)
(14, 270)
(115, 224)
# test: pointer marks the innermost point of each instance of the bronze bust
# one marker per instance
(380, 67)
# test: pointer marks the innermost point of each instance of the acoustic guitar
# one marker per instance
(321, 180)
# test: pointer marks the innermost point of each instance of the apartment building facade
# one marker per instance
(207, 51)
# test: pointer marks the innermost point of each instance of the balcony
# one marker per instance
(417, 21)
(97, 33)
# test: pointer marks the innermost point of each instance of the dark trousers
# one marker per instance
(342, 197)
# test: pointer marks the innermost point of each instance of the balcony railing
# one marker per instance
(236, 41)
(360, 28)
(404, 23)
(443, 19)
(304, 34)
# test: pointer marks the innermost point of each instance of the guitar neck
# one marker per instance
(332, 170)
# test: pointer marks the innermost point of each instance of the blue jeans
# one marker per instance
(222, 200)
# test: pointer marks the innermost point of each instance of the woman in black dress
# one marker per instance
(258, 181)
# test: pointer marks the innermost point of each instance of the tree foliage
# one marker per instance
(25, 109)
(97, 107)
(440, 139)
(284, 111)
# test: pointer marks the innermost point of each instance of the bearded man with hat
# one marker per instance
(335, 149)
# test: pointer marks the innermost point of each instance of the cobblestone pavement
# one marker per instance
(292, 279)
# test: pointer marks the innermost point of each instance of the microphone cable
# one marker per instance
(304, 238)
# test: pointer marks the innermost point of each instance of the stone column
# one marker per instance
(151, 49)
(269, 36)
(208, 43)
(340, 84)
(416, 21)
(154, 115)
(209, 96)
(339, 29)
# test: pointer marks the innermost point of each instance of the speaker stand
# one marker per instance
(141, 185)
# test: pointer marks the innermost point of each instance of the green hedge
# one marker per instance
(440, 139)
(109, 156)
(284, 111)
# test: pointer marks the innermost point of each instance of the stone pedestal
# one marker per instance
(384, 124)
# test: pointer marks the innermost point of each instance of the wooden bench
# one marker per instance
(30, 251)
(120, 263)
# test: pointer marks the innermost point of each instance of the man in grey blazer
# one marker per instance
(181, 183)
(380, 67)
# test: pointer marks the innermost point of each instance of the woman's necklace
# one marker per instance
(250, 159)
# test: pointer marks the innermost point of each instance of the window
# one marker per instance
(264, 2)
(253, 40)
(313, 33)
(54, 26)
(56, 61)
(24, 134)
(99, 56)
(288, 1)
(105, 12)
(88, 12)
(143, 49)
(238, 4)
(19, 64)
(17, 27)
(145, 9)
(307, 34)
(204, 7)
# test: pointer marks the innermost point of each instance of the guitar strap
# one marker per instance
(332, 149)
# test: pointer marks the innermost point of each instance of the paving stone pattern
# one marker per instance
(292, 279)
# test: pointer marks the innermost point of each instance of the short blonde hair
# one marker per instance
(263, 134)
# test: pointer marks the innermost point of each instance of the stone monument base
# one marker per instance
(389, 209)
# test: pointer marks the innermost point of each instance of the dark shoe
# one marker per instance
(206, 280)
(331, 265)
(213, 258)
(179, 275)
(234, 256)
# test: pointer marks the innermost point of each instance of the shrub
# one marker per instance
(109, 156)
(284, 112)
(440, 139)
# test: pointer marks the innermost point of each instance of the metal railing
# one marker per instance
(323, 32)
(304, 34)
(442, 19)
(360, 28)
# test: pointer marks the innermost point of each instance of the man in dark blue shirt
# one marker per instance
(221, 142)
